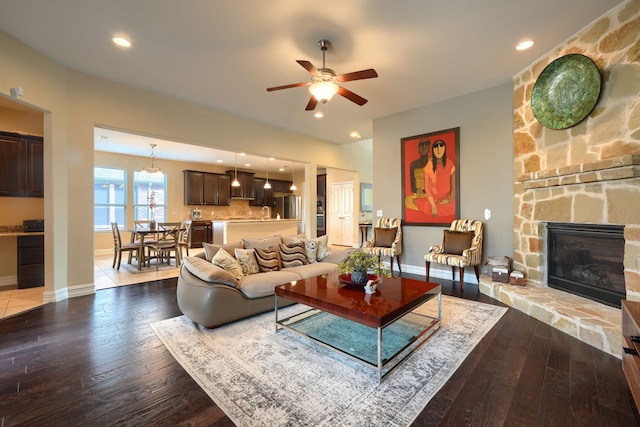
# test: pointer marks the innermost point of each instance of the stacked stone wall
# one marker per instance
(589, 173)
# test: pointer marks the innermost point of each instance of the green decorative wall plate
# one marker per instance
(566, 91)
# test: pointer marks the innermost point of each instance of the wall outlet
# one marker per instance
(379, 212)
(487, 214)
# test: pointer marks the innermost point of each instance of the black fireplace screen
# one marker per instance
(587, 260)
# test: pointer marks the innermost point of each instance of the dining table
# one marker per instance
(140, 234)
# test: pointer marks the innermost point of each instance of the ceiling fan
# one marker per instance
(325, 83)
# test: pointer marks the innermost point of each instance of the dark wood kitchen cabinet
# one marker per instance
(21, 165)
(30, 261)
(201, 232)
(204, 188)
(281, 186)
(246, 189)
(263, 196)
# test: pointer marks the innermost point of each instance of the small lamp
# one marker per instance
(293, 177)
(235, 182)
(152, 169)
(266, 184)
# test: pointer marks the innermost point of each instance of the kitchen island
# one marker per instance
(233, 230)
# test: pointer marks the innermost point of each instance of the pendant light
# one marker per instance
(266, 184)
(235, 182)
(152, 170)
(293, 177)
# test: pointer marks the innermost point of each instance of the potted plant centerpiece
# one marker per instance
(358, 264)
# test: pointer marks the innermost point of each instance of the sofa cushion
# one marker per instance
(293, 239)
(248, 261)
(293, 254)
(263, 284)
(210, 249)
(228, 262)
(312, 270)
(204, 270)
(261, 243)
(268, 258)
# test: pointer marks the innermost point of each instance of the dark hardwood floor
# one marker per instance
(95, 361)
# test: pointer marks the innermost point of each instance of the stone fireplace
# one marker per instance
(587, 174)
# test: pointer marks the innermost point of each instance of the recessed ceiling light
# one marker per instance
(281, 169)
(524, 45)
(318, 114)
(247, 164)
(121, 41)
(242, 154)
(219, 160)
(355, 134)
(272, 158)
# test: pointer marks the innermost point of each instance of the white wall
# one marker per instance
(486, 167)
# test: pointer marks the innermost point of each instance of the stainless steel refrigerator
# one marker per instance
(287, 206)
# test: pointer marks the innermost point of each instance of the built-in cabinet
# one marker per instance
(281, 186)
(246, 189)
(205, 188)
(321, 185)
(21, 166)
(30, 261)
(200, 232)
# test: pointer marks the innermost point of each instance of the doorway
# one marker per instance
(341, 212)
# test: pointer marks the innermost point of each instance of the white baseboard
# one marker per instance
(440, 272)
(69, 292)
(8, 282)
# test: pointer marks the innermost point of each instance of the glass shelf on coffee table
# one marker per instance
(380, 329)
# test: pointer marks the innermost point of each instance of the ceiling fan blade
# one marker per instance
(271, 89)
(357, 75)
(312, 104)
(352, 96)
(309, 67)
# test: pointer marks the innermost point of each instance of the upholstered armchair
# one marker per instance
(386, 241)
(461, 247)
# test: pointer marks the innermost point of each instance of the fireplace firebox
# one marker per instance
(587, 260)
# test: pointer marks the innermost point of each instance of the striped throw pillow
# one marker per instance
(268, 259)
(293, 255)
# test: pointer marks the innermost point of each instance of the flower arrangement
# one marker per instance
(361, 261)
(152, 202)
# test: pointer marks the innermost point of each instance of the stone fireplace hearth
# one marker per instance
(587, 174)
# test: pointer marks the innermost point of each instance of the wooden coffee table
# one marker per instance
(385, 324)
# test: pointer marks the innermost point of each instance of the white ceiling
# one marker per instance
(224, 54)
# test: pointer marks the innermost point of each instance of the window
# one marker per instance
(146, 185)
(109, 197)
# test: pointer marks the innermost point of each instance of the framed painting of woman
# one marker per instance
(431, 178)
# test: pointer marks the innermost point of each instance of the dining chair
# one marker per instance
(167, 242)
(184, 239)
(119, 247)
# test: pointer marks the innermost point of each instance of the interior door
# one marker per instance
(341, 214)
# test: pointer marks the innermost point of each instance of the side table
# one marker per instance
(364, 232)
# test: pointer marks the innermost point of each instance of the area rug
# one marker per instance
(262, 378)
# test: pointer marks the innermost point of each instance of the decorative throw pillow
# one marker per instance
(323, 247)
(210, 250)
(248, 261)
(384, 237)
(224, 260)
(457, 241)
(268, 259)
(311, 249)
(293, 239)
(293, 255)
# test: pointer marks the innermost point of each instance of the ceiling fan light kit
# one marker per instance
(325, 83)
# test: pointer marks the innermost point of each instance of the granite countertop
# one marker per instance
(16, 230)
(254, 220)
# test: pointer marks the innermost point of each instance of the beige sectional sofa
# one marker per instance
(211, 295)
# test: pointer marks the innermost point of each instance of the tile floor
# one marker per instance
(15, 301)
